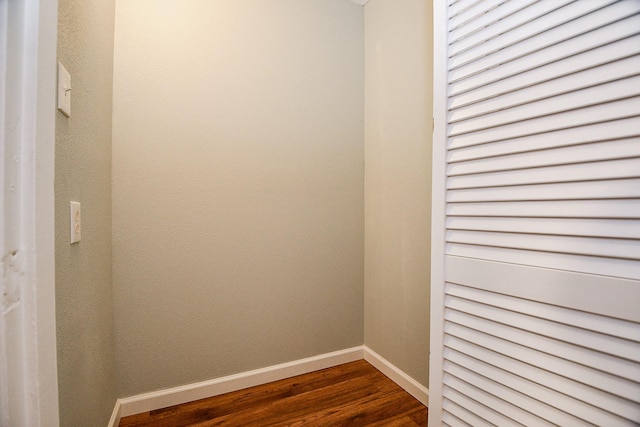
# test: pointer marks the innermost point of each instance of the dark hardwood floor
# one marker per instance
(353, 394)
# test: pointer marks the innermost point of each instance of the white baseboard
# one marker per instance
(410, 385)
(190, 392)
(115, 415)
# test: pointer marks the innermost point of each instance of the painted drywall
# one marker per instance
(398, 63)
(237, 186)
(84, 308)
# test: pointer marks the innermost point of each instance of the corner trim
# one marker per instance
(201, 390)
(360, 2)
(396, 375)
(114, 421)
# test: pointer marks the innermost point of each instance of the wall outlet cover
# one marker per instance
(76, 221)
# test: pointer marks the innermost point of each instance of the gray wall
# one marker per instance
(398, 63)
(84, 309)
(237, 186)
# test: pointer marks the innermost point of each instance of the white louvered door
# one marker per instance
(536, 233)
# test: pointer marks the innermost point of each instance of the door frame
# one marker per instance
(27, 322)
(438, 214)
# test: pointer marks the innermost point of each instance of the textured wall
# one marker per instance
(84, 310)
(398, 63)
(237, 186)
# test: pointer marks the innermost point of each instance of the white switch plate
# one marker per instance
(76, 221)
(64, 90)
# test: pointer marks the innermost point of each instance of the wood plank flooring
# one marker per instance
(353, 394)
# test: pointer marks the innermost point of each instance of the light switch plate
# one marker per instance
(64, 90)
(76, 221)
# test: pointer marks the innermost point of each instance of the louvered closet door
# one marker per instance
(536, 284)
